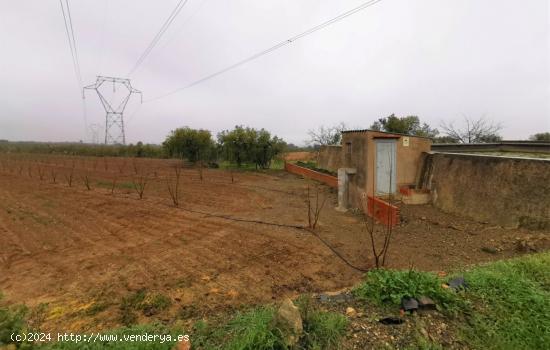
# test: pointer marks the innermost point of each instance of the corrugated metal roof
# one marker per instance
(384, 132)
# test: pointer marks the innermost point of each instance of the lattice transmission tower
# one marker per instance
(114, 118)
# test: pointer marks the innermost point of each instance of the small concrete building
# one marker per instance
(373, 162)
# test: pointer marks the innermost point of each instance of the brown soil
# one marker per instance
(303, 156)
(81, 250)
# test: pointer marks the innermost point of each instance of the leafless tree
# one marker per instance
(379, 253)
(87, 181)
(140, 182)
(113, 184)
(313, 213)
(40, 172)
(474, 131)
(173, 190)
(326, 135)
(69, 177)
(53, 173)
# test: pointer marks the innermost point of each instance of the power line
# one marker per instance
(72, 42)
(157, 37)
(271, 49)
(183, 24)
(69, 30)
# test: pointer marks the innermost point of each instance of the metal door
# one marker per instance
(385, 165)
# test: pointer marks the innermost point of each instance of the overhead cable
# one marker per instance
(271, 49)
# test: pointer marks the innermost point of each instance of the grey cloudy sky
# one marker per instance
(438, 59)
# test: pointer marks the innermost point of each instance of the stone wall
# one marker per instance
(510, 192)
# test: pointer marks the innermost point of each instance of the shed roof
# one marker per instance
(384, 132)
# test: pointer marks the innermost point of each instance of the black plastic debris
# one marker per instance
(391, 320)
(409, 304)
(458, 283)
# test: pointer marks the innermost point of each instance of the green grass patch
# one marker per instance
(97, 307)
(141, 301)
(322, 330)
(107, 341)
(255, 329)
(512, 304)
(246, 331)
(12, 320)
(506, 304)
(17, 320)
(155, 304)
(383, 286)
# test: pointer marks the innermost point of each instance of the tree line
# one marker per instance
(83, 149)
(480, 130)
(242, 145)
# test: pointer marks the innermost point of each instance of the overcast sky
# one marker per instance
(438, 59)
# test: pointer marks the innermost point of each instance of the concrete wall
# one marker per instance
(330, 158)
(510, 192)
(355, 155)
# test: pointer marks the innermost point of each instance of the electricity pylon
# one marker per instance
(114, 119)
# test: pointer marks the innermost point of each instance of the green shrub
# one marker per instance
(192, 144)
(383, 286)
(247, 145)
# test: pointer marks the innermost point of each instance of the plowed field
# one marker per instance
(231, 241)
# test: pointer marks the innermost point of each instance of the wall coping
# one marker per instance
(488, 156)
(330, 180)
